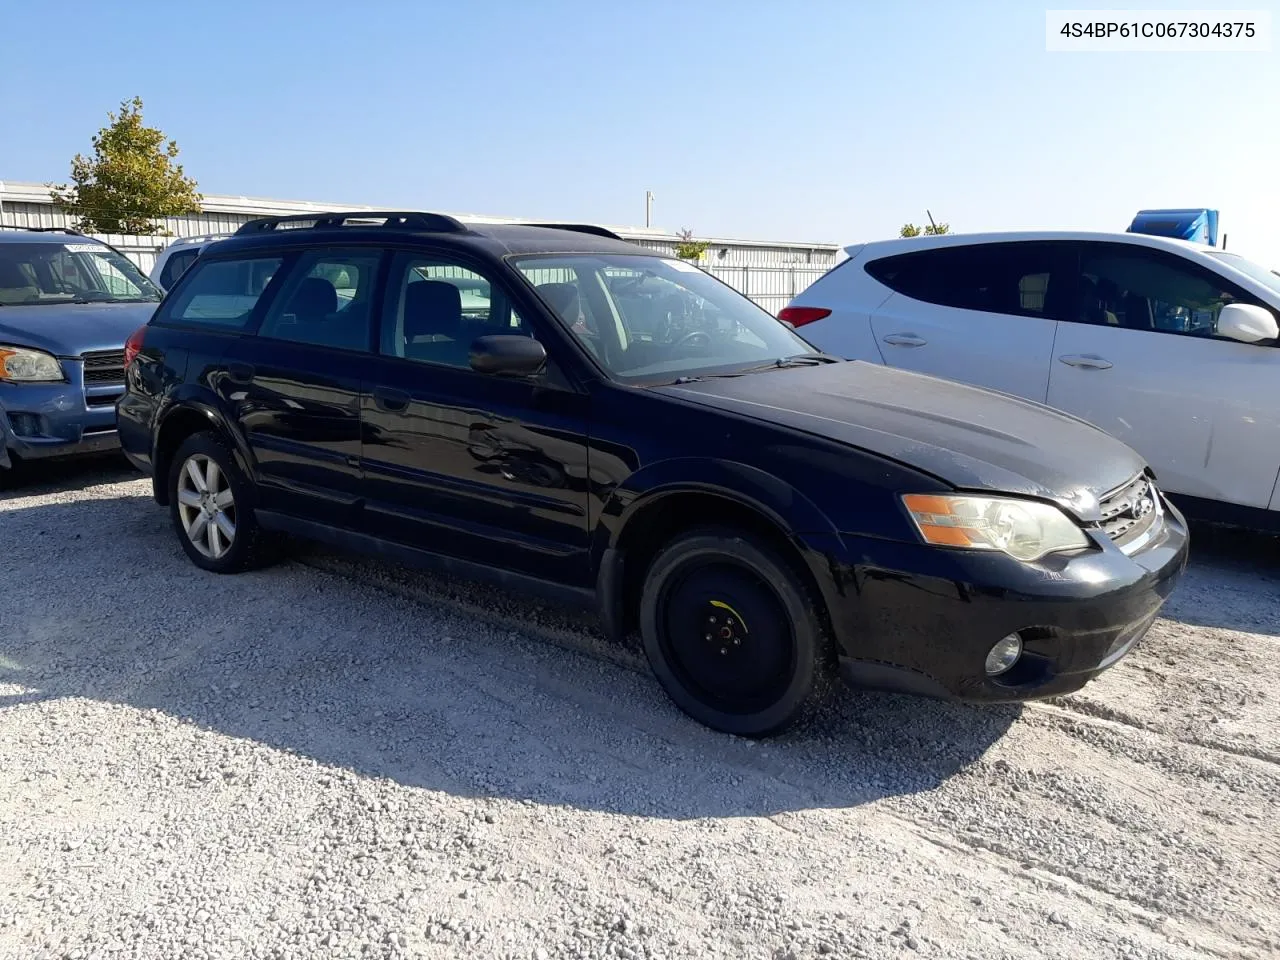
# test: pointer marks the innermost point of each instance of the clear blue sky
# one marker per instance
(802, 120)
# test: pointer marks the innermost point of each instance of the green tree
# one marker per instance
(929, 229)
(130, 182)
(689, 248)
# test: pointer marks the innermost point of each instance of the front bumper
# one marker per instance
(921, 619)
(43, 420)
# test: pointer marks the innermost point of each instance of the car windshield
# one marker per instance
(650, 319)
(1260, 273)
(71, 272)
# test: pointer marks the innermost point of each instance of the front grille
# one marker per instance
(103, 400)
(105, 366)
(1130, 513)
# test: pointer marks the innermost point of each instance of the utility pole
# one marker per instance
(648, 207)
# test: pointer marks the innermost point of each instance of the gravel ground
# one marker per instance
(336, 758)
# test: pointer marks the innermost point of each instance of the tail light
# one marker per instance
(133, 345)
(799, 316)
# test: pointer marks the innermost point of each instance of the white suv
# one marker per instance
(174, 260)
(1168, 345)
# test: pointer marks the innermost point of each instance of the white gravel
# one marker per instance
(337, 758)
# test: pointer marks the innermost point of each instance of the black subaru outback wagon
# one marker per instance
(567, 413)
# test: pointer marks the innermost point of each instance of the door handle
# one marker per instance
(239, 372)
(905, 340)
(392, 401)
(1086, 360)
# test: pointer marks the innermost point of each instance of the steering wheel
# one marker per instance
(695, 337)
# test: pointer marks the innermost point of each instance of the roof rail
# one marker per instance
(203, 238)
(431, 222)
(577, 228)
(14, 226)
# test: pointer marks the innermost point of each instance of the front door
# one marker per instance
(1142, 360)
(981, 314)
(486, 469)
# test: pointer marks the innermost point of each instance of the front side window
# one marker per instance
(36, 274)
(1139, 288)
(651, 319)
(220, 293)
(435, 309)
(1269, 278)
(1015, 278)
(326, 300)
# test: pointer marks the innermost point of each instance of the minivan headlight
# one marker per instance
(24, 365)
(1024, 529)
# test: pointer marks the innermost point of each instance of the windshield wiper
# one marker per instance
(797, 360)
(807, 359)
(109, 299)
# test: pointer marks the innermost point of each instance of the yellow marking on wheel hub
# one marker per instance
(724, 606)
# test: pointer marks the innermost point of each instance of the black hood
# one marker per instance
(972, 438)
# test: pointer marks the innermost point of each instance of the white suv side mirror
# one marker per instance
(1247, 323)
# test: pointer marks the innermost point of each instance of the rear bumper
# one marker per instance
(922, 620)
(41, 421)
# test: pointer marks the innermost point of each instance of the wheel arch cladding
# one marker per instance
(658, 504)
(177, 424)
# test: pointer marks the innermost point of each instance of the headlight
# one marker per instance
(22, 365)
(1024, 529)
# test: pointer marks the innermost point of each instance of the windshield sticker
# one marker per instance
(682, 266)
(82, 247)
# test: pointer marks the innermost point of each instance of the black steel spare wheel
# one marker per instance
(734, 633)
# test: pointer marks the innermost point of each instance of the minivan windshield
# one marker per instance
(652, 319)
(1260, 273)
(34, 274)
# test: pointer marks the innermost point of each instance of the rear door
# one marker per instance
(487, 469)
(295, 384)
(1140, 357)
(981, 313)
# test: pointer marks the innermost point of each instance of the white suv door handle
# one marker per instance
(905, 340)
(1086, 360)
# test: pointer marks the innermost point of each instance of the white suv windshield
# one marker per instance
(650, 319)
(71, 272)
(1249, 268)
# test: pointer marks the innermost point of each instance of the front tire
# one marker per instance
(735, 634)
(209, 498)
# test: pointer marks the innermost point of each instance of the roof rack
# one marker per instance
(577, 228)
(14, 226)
(431, 222)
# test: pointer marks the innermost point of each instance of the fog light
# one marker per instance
(1004, 655)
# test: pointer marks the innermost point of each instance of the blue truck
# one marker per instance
(1198, 225)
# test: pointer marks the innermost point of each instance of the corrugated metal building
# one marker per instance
(770, 273)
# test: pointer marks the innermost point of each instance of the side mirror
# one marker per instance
(508, 355)
(1247, 323)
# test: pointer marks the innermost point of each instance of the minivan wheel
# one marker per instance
(734, 634)
(208, 501)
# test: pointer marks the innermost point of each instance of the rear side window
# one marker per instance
(1020, 279)
(326, 300)
(176, 266)
(221, 293)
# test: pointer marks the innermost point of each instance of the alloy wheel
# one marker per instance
(206, 506)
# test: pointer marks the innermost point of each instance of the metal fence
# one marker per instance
(770, 275)
(770, 287)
